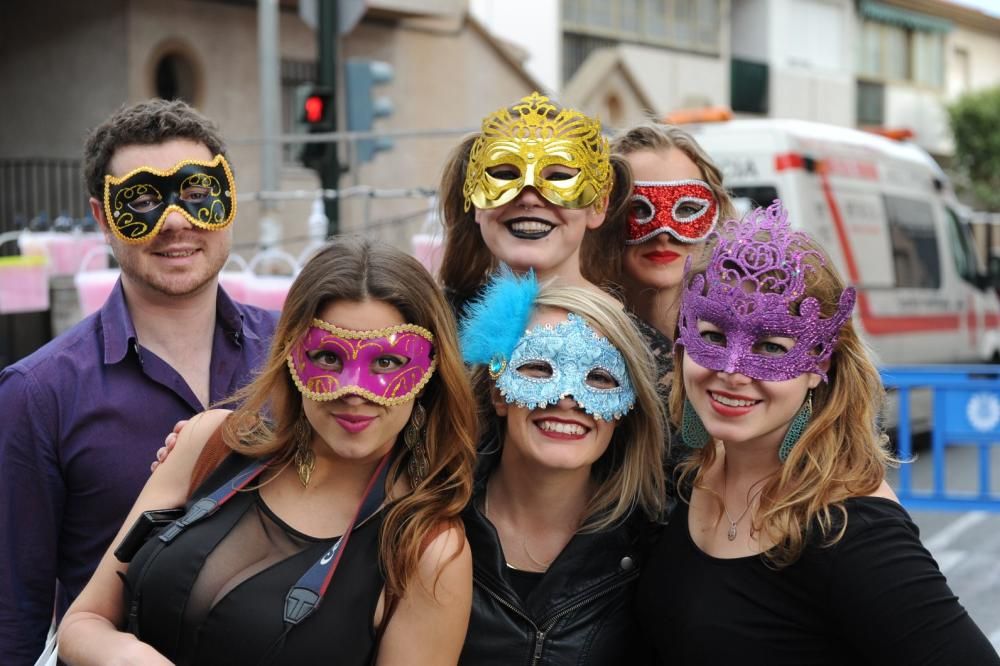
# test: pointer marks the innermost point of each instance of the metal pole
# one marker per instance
(270, 115)
(326, 73)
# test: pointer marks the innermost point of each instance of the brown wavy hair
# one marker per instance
(842, 453)
(145, 123)
(467, 262)
(354, 269)
(656, 136)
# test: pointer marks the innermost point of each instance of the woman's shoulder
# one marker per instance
(868, 525)
(445, 556)
(869, 510)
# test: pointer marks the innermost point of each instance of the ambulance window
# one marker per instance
(914, 244)
(967, 262)
(747, 198)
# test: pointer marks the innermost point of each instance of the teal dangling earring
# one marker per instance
(797, 426)
(693, 432)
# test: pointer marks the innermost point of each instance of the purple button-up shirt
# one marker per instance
(82, 418)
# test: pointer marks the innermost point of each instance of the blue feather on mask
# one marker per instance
(495, 321)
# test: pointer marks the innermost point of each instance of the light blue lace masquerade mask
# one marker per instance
(580, 363)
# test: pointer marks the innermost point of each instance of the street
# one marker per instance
(966, 544)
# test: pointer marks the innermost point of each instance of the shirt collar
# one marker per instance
(119, 331)
(117, 326)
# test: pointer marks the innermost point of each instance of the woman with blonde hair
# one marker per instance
(330, 533)
(789, 547)
(531, 190)
(570, 481)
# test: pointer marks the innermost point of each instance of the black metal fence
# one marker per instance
(40, 186)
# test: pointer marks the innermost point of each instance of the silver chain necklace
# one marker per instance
(731, 533)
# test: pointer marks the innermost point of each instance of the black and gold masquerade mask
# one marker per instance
(137, 203)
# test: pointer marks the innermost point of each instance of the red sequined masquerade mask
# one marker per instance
(685, 209)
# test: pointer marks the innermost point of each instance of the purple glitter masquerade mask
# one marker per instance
(388, 366)
(747, 292)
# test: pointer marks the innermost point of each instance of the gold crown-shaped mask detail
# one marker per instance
(530, 136)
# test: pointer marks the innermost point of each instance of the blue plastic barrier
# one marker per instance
(966, 412)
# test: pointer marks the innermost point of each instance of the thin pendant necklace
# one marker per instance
(524, 540)
(732, 532)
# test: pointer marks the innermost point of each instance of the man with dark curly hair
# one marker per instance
(85, 414)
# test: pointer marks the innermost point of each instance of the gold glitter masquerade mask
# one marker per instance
(136, 204)
(517, 144)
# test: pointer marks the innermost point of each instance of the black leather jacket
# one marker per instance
(580, 613)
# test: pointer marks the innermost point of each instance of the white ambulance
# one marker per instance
(888, 217)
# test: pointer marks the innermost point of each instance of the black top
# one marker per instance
(579, 612)
(215, 595)
(876, 597)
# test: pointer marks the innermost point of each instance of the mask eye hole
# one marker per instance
(388, 363)
(600, 378)
(195, 194)
(558, 172)
(711, 334)
(325, 359)
(775, 347)
(688, 209)
(642, 209)
(504, 172)
(145, 203)
(535, 370)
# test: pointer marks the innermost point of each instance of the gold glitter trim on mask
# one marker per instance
(530, 136)
(377, 333)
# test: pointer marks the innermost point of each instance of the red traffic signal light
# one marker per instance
(314, 107)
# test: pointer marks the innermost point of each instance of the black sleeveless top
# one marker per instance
(215, 595)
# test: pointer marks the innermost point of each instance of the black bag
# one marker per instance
(145, 526)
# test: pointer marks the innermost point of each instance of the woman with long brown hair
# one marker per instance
(351, 461)
(788, 547)
(676, 200)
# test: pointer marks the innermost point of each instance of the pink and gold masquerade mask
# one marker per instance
(388, 366)
(753, 289)
(136, 204)
(685, 209)
(527, 138)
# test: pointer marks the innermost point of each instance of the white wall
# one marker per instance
(537, 32)
(750, 30)
(921, 111)
(984, 60)
(812, 62)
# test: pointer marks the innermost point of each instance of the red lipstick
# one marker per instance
(662, 256)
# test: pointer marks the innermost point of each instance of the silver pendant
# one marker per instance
(732, 532)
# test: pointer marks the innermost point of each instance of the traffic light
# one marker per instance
(316, 108)
(315, 115)
(363, 107)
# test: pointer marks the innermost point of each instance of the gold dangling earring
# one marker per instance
(304, 457)
(413, 437)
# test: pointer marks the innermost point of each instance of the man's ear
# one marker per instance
(97, 210)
